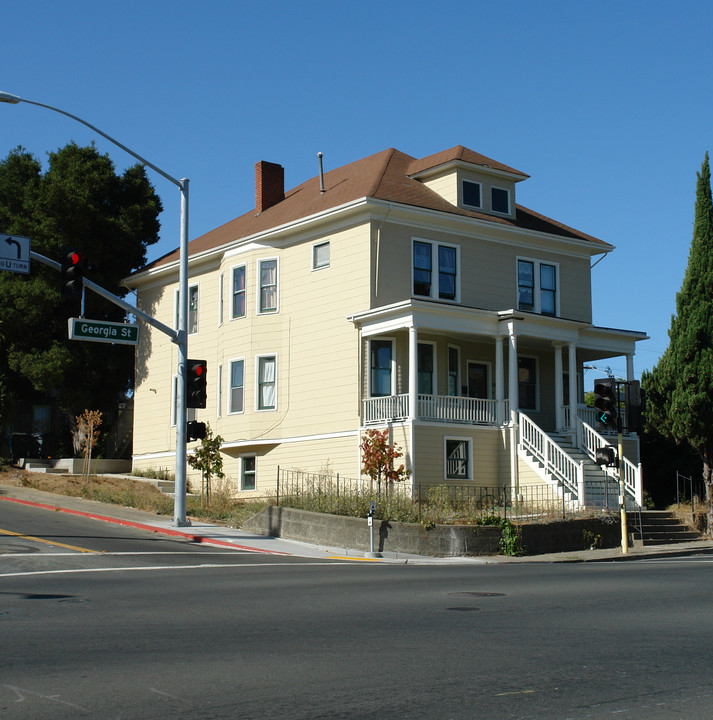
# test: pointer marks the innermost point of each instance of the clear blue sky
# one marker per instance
(607, 105)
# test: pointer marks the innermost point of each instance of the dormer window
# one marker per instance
(500, 200)
(471, 194)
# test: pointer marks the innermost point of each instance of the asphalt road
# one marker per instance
(153, 627)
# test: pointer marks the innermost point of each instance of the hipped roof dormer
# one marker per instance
(470, 180)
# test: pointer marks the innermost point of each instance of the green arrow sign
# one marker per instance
(100, 331)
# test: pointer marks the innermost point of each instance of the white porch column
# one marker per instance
(513, 395)
(513, 385)
(412, 373)
(559, 392)
(499, 382)
(630, 367)
(572, 387)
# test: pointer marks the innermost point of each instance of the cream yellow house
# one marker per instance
(393, 292)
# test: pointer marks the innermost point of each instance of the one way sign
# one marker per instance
(15, 253)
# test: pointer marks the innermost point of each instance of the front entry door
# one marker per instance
(477, 380)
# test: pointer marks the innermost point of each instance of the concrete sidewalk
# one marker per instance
(203, 532)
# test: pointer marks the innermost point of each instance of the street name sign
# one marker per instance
(101, 331)
(15, 253)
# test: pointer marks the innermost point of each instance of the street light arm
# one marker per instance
(15, 99)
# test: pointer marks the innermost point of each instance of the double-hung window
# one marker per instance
(238, 292)
(527, 383)
(458, 458)
(192, 319)
(268, 285)
(267, 382)
(193, 309)
(426, 367)
(435, 270)
(237, 386)
(247, 472)
(380, 370)
(537, 287)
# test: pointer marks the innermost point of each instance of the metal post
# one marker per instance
(179, 507)
(622, 492)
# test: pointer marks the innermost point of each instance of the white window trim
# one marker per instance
(220, 299)
(471, 461)
(393, 365)
(316, 267)
(230, 386)
(232, 293)
(219, 392)
(434, 374)
(509, 194)
(188, 309)
(242, 470)
(257, 382)
(537, 290)
(435, 291)
(537, 383)
(258, 309)
(460, 190)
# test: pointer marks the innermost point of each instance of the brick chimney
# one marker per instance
(269, 185)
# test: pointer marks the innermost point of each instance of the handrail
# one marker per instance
(555, 460)
(589, 440)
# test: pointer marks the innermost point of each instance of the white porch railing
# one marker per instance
(555, 461)
(384, 409)
(439, 408)
(589, 440)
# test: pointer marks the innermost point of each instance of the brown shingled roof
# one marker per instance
(383, 176)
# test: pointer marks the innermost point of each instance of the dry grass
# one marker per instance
(136, 494)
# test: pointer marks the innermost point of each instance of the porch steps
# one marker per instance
(660, 527)
(599, 489)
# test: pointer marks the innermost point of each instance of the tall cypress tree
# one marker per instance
(680, 386)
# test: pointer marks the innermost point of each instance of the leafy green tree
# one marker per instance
(207, 458)
(680, 386)
(79, 201)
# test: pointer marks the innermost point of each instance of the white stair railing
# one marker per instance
(589, 440)
(557, 464)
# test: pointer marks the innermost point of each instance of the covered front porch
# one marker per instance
(448, 364)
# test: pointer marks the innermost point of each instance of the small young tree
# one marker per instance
(88, 424)
(680, 387)
(207, 458)
(378, 456)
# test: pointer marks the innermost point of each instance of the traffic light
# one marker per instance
(196, 386)
(606, 456)
(635, 400)
(195, 430)
(605, 403)
(72, 273)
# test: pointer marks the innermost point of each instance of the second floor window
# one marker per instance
(237, 384)
(268, 285)
(435, 270)
(238, 306)
(537, 287)
(267, 383)
(193, 309)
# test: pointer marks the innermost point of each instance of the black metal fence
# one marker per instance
(690, 490)
(439, 504)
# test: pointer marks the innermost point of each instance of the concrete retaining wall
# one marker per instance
(441, 541)
(353, 533)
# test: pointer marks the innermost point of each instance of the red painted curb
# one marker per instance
(142, 526)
